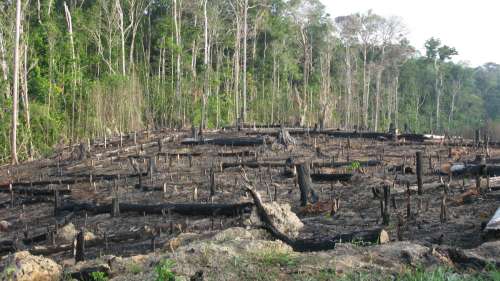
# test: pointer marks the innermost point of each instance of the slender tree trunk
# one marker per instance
(457, 87)
(25, 99)
(365, 88)
(245, 35)
(206, 66)
(273, 90)
(438, 93)
(396, 101)
(305, 74)
(380, 71)
(237, 65)
(3, 66)
(348, 85)
(177, 24)
(122, 35)
(73, 58)
(14, 158)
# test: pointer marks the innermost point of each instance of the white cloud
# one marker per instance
(469, 26)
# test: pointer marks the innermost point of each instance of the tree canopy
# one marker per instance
(95, 67)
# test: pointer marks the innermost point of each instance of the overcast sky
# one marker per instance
(471, 26)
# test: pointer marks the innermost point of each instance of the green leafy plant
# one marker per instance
(164, 271)
(99, 276)
(8, 272)
(354, 166)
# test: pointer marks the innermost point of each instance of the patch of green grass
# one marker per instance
(419, 274)
(164, 271)
(8, 272)
(134, 268)
(275, 258)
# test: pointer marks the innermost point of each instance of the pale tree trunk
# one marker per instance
(3, 65)
(49, 7)
(237, 65)
(438, 93)
(366, 87)
(380, 71)
(13, 143)
(305, 45)
(245, 34)
(25, 100)
(177, 24)
(206, 66)
(137, 12)
(73, 58)
(121, 27)
(273, 90)
(396, 101)
(457, 86)
(325, 99)
(3, 61)
(217, 89)
(348, 85)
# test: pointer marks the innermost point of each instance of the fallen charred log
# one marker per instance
(331, 177)
(471, 170)
(248, 141)
(87, 273)
(181, 209)
(369, 163)
(312, 245)
(74, 179)
(98, 242)
(7, 246)
(26, 201)
(37, 192)
(275, 164)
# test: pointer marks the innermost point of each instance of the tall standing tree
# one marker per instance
(15, 87)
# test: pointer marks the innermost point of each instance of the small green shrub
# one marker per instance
(164, 271)
(354, 166)
(99, 276)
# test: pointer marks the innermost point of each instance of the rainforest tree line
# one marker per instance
(85, 68)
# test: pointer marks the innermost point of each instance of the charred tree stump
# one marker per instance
(79, 245)
(115, 211)
(419, 172)
(305, 184)
(212, 182)
(385, 206)
(408, 201)
(477, 138)
(82, 152)
(56, 201)
(444, 213)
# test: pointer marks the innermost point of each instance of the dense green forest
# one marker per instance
(94, 67)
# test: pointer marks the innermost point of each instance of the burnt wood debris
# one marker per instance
(136, 193)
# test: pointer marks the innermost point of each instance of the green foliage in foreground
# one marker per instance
(164, 271)
(419, 274)
(99, 276)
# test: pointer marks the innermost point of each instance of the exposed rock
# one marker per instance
(282, 217)
(4, 226)
(66, 234)
(89, 236)
(26, 267)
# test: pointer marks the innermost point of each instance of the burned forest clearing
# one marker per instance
(152, 194)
